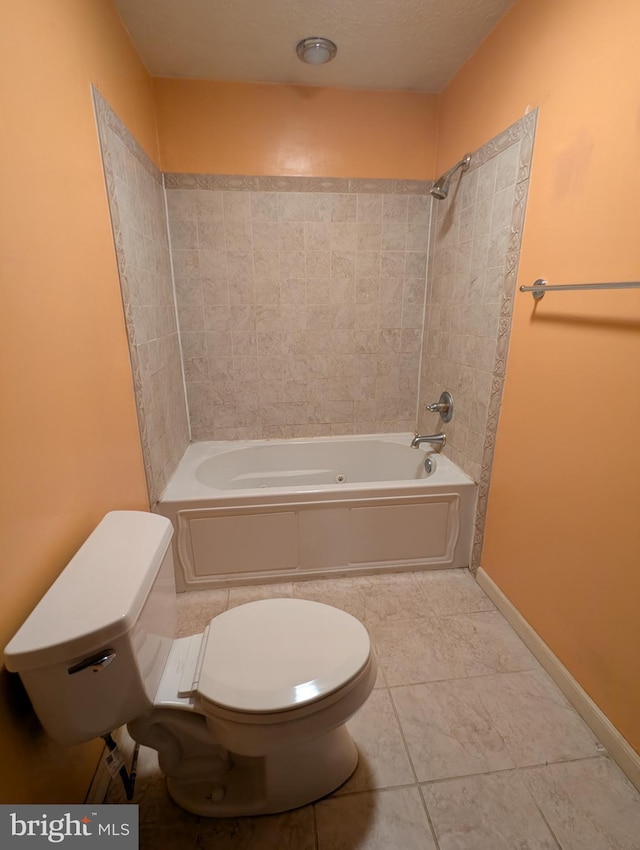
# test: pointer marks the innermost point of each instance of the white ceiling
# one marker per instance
(382, 44)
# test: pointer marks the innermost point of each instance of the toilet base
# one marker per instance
(286, 779)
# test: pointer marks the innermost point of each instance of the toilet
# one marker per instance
(247, 718)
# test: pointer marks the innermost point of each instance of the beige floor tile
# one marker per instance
(383, 758)
(379, 820)
(253, 593)
(589, 804)
(409, 652)
(448, 730)
(196, 608)
(428, 650)
(171, 837)
(452, 592)
(462, 683)
(534, 719)
(157, 807)
(162, 822)
(380, 682)
(390, 597)
(288, 831)
(341, 593)
(489, 644)
(489, 812)
(372, 599)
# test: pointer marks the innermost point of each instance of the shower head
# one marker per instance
(440, 188)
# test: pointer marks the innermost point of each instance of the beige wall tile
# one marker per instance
(301, 272)
(469, 245)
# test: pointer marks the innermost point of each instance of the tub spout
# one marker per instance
(435, 440)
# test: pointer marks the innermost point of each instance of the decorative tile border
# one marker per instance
(107, 121)
(339, 185)
(157, 461)
(523, 131)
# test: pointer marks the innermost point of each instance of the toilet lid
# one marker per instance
(278, 654)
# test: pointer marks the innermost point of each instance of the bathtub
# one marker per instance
(247, 512)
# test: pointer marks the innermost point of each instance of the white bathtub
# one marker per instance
(279, 510)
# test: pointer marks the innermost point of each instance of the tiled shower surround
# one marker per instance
(473, 262)
(300, 312)
(136, 202)
(317, 306)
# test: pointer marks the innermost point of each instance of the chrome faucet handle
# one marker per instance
(444, 406)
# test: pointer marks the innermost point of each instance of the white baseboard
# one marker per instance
(618, 747)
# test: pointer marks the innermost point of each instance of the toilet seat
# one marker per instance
(279, 655)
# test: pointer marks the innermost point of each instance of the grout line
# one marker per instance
(402, 735)
(514, 769)
(543, 816)
(462, 678)
(444, 779)
(334, 796)
(576, 760)
(413, 770)
(429, 819)
(226, 602)
(539, 807)
(167, 223)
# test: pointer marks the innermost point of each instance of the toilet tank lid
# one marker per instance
(99, 594)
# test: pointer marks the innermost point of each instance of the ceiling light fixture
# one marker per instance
(315, 50)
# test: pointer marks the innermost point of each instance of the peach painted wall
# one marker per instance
(254, 128)
(69, 436)
(563, 536)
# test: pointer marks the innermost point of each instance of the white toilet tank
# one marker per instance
(92, 652)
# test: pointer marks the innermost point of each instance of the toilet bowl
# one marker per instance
(247, 717)
(275, 682)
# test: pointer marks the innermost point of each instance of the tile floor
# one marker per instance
(465, 743)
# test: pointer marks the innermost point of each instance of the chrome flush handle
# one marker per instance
(96, 662)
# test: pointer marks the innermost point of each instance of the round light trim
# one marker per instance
(315, 50)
